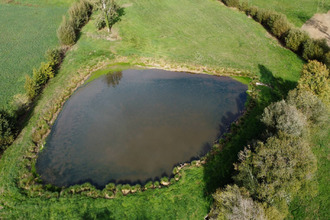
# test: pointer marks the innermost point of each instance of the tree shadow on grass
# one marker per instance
(280, 86)
(97, 213)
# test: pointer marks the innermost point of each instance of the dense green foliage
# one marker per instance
(235, 203)
(277, 168)
(314, 49)
(46, 71)
(109, 15)
(69, 29)
(316, 79)
(280, 116)
(79, 13)
(295, 39)
(308, 103)
(277, 24)
(66, 32)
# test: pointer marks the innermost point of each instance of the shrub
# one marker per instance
(148, 185)
(315, 78)
(6, 129)
(156, 184)
(231, 3)
(314, 49)
(30, 87)
(54, 57)
(262, 16)
(110, 187)
(295, 39)
(79, 13)
(175, 170)
(252, 11)
(66, 32)
(235, 203)
(277, 24)
(309, 104)
(45, 73)
(280, 116)
(244, 6)
(164, 181)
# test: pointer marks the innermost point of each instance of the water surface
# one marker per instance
(135, 125)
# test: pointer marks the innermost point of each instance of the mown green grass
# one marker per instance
(197, 32)
(26, 34)
(202, 33)
(316, 206)
(297, 11)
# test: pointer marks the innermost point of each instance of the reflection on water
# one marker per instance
(136, 125)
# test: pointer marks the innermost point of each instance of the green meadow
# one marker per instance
(185, 32)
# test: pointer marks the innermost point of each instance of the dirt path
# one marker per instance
(318, 26)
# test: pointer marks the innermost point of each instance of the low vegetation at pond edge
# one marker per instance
(217, 39)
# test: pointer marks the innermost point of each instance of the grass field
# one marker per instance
(297, 11)
(26, 33)
(38, 3)
(203, 33)
(307, 205)
(196, 32)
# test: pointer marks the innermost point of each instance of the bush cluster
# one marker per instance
(295, 39)
(46, 71)
(231, 3)
(79, 14)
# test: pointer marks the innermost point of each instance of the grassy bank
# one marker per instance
(195, 33)
(297, 11)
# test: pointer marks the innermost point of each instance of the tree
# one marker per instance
(277, 169)
(235, 203)
(110, 12)
(315, 78)
(280, 116)
(310, 105)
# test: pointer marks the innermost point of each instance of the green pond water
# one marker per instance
(135, 125)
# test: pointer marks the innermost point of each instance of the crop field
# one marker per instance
(297, 11)
(26, 33)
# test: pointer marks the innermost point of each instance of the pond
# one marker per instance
(135, 125)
